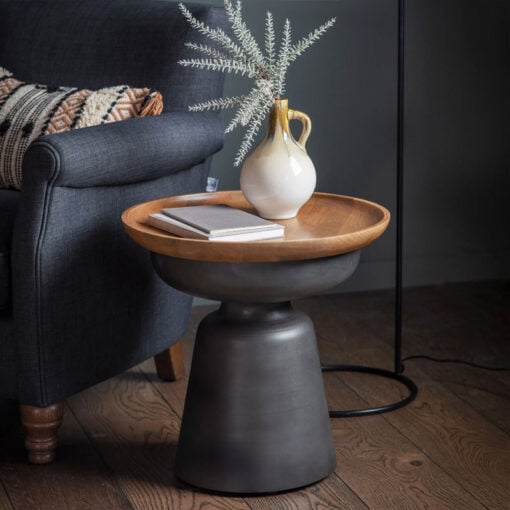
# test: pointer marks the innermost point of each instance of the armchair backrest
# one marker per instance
(98, 43)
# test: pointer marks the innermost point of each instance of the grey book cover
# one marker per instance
(218, 220)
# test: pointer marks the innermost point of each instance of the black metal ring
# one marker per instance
(408, 383)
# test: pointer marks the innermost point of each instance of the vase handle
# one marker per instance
(305, 121)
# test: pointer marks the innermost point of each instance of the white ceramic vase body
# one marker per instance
(278, 177)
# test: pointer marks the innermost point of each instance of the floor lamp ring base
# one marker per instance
(408, 383)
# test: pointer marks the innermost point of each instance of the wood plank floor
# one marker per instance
(449, 449)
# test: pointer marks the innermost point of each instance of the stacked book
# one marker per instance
(215, 223)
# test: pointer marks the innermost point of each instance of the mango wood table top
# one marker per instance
(326, 225)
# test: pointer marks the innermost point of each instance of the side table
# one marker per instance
(255, 418)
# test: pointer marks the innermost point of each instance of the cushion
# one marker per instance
(31, 110)
(8, 204)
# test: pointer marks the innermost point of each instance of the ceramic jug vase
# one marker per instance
(278, 177)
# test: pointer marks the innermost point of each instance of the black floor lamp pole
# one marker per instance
(399, 367)
(400, 189)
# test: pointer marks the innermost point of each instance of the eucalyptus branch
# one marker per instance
(270, 39)
(242, 32)
(268, 68)
(216, 34)
(219, 104)
(207, 50)
(246, 110)
(221, 65)
(307, 41)
(283, 59)
(253, 129)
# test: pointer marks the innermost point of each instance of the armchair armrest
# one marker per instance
(80, 285)
(135, 150)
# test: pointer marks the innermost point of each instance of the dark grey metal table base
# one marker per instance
(255, 418)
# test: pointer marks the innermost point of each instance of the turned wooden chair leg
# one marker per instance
(41, 426)
(170, 363)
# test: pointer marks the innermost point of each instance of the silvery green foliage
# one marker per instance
(244, 56)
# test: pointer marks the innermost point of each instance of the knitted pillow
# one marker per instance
(31, 110)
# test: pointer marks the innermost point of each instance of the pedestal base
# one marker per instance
(255, 418)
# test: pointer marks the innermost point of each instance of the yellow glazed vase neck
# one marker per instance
(279, 118)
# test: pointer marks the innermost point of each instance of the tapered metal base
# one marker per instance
(255, 418)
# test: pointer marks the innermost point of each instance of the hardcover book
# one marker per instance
(215, 222)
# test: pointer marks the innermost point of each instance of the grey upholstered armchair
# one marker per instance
(79, 301)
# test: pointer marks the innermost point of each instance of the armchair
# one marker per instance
(79, 302)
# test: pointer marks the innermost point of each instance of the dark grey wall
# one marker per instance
(457, 158)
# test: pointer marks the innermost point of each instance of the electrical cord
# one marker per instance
(459, 361)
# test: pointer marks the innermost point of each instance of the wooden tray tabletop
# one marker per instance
(326, 225)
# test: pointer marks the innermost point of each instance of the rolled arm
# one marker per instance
(86, 302)
(126, 152)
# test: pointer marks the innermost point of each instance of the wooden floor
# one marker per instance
(449, 449)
